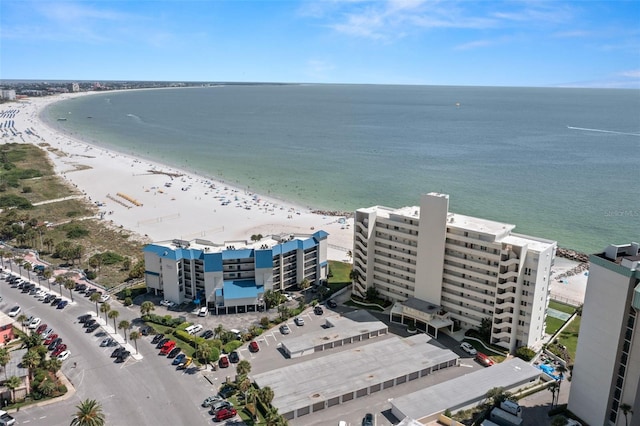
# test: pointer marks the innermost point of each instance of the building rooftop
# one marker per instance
(465, 390)
(302, 384)
(340, 327)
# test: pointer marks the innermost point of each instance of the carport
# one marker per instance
(463, 392)
(338, 330)
(426, 317)
(315, 385)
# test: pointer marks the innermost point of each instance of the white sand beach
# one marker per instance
(161, 203)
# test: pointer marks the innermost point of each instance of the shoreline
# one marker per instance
(160, 202)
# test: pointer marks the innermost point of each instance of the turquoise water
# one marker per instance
(559, 163)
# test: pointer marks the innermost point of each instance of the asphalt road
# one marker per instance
(138, 392)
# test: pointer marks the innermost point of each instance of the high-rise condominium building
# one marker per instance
(444, 269)
(606, 372)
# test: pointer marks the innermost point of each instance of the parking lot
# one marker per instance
(270, 357)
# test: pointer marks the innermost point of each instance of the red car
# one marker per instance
(50, 339)
(484, 359)
(58, 350)
(253, 346)
(167, 347)
(223, 362)
(225, 413)
(41, 328)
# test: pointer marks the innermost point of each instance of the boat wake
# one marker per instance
(603, 131)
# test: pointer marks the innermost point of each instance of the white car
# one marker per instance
(193, 329)
(284, 329)
(468, 348)
(165, 302)
(64, 355)
(40, 293)
(104, 298)
(34, 323)
(299, 321)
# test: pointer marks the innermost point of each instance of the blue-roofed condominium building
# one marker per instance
(232, 277)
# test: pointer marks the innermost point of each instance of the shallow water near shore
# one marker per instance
(558, 163)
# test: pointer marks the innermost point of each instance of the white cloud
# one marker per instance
(631, 73)
(474, 45)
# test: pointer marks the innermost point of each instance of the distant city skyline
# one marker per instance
(472, 43)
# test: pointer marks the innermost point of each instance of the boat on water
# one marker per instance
(62, 119)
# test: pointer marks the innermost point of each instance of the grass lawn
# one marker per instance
(553, 325)
(569, 337)
(561, 307)
(340, 272)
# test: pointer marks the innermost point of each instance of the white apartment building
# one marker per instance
(443, 268)
(606, 372)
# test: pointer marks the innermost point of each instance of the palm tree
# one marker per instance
(134, 336)
(5, 357)
(21, 319)
(13, 383)
(243, 368)
(70, 285)
(31, 360)
(266, 395)
(53, 365)
(89, 414)
(47, 387)
(147, 307)
(203, 352)
(553, 388)
(217, 331)
(48, 273)
(124, 325)
(60, 279)
(113, 315)
(94, 298)
(105, 308)
(244, 386)
(626, 410)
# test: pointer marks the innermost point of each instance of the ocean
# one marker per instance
(559, 163)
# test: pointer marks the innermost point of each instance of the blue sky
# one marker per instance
(479, 43)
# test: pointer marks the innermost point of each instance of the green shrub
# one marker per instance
(525, 353)
(111, 258)
(75, 230)
(128, 301)
(232, 346)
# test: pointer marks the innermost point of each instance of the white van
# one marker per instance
(511, 407)
(203, 312)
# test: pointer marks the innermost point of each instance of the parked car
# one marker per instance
(284, 329)
(50, 339)
(299, 321)
(48, 332)
(225, 414)
(54, 343)
(223, 362)
(165, 302)
(184, 364)
(104, 298)
(62, 304)
(55, 301)
(193, 329)
(220, 405)
(89, 322)
(318, 310)
(80, 288)
(367, 420)
(89, 292)
(93, 327)
(210, 400)
(34, 323)
(207, 334)
(226, 391)
(106, 342)
(484, 359)
(145, 330)
(156, 339)
(84, 318)
(174, 352)
(41, 328)
(15, 311)
(162, 342)
(253, 346)
(48, 298)
(123, 356)
(234, 357)
(465, 346)
(64, 355)
(168, 347)
(117, 351)
(203, 312)
(332, 304)
(59, 349)
(180, 358)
